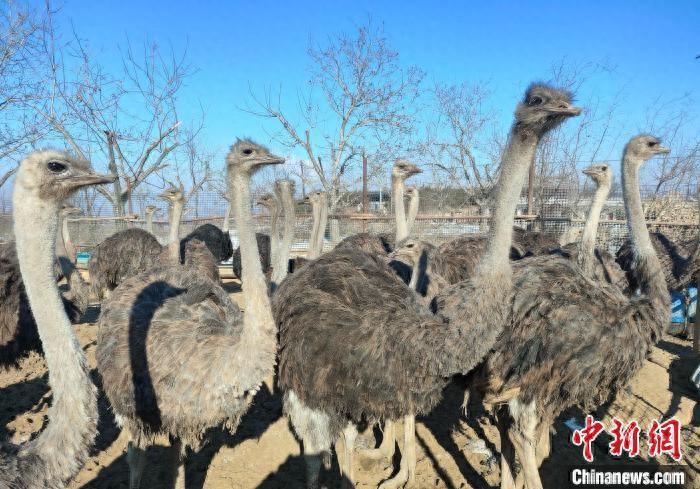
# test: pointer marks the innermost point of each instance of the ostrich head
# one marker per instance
(544, 108)
(173, 195)
(248, 157)
(410, 191)
(69, 210)
(403, 169)
(410, 250)
(284, 186)
(601, 174)
(53, 176)
(315, 197)
(267, 201)
(644, 147)
(150, 210)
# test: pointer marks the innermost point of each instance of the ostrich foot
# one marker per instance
(385, 450)
(407, 469)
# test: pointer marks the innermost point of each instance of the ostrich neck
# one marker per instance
(320, 211)
(274, 233)
(586, 247)
(72, 418)
(397, 189)
(412, 212)
(227, 218)
(313, 238)
(647, 265)
(149, 223)
(282, 265)
(258, 322)
(174, 240)
(67, 243)
(518, 157)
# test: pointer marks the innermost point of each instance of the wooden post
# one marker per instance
(365, 197)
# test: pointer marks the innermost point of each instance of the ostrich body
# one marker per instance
(382, 244)
(218, 242)
(132, 251)
(356, 344)
(44, 180)
(267, 244)
(150, 210)
(680, 261)
(201, 360)
(573, 344)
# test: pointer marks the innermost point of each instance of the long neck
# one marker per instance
(227, 218)
(320, 211)
(63, 445)
(149, 222)
(259, 327)
(274, 233)
(413, 205)
(174, 239)
(67, 243)
(282, 266)
(397, 189)
(646, 264)
(518, 156)
(313, 237)
(586, 247)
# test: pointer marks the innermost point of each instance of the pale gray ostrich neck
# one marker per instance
(178, 205)
(652, 280)
(65, 235)
(519, 154)
(413, 204)
(149, 219)
(397, 190)
(273, 209)
(319, 210)
(284, 189)
(64, 443)
(586, 247)
(258, 323)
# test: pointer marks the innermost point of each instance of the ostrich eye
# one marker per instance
(535, 101)
(651, 144)
(248, 152)
(409, 245)
(56, 167)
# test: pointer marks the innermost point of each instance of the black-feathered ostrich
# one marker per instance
(218, 242)
(355, 343)
(680, 260)
(176, 355)
(383, 244)
(132, 251)
(576, 343)
(44, 180)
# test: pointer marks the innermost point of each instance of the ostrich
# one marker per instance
(132, 251)
(680, 261)
(176, 355)
(267, 244)
(573, 344)
(382, 244)
(150, 210)
(218, 242)
(44, 180)
(413, 203)
(284, 191)
(355, 343)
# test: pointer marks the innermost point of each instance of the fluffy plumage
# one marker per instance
(218, 242)
(381, 244)
(120, 256)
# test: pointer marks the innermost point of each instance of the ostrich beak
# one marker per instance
(565, 108)
(414, 170)
(88, 179)
(663, 150)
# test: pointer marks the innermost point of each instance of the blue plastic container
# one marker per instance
(679, 312)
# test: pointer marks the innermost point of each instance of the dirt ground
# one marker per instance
(453, 451)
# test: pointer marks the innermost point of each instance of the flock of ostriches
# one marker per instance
(368, 333)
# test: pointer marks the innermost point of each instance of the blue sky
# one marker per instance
(650, 47)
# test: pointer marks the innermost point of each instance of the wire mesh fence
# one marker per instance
(555, 211)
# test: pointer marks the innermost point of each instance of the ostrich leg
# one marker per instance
(507, 451)
(347, 470)
(136, 458)
(523, 434)
(386, 448)
(407, 469)
(541, 449)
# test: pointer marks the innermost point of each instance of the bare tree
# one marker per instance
(359, 95)
(20, 32)
(129, 118)
(455, 136)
